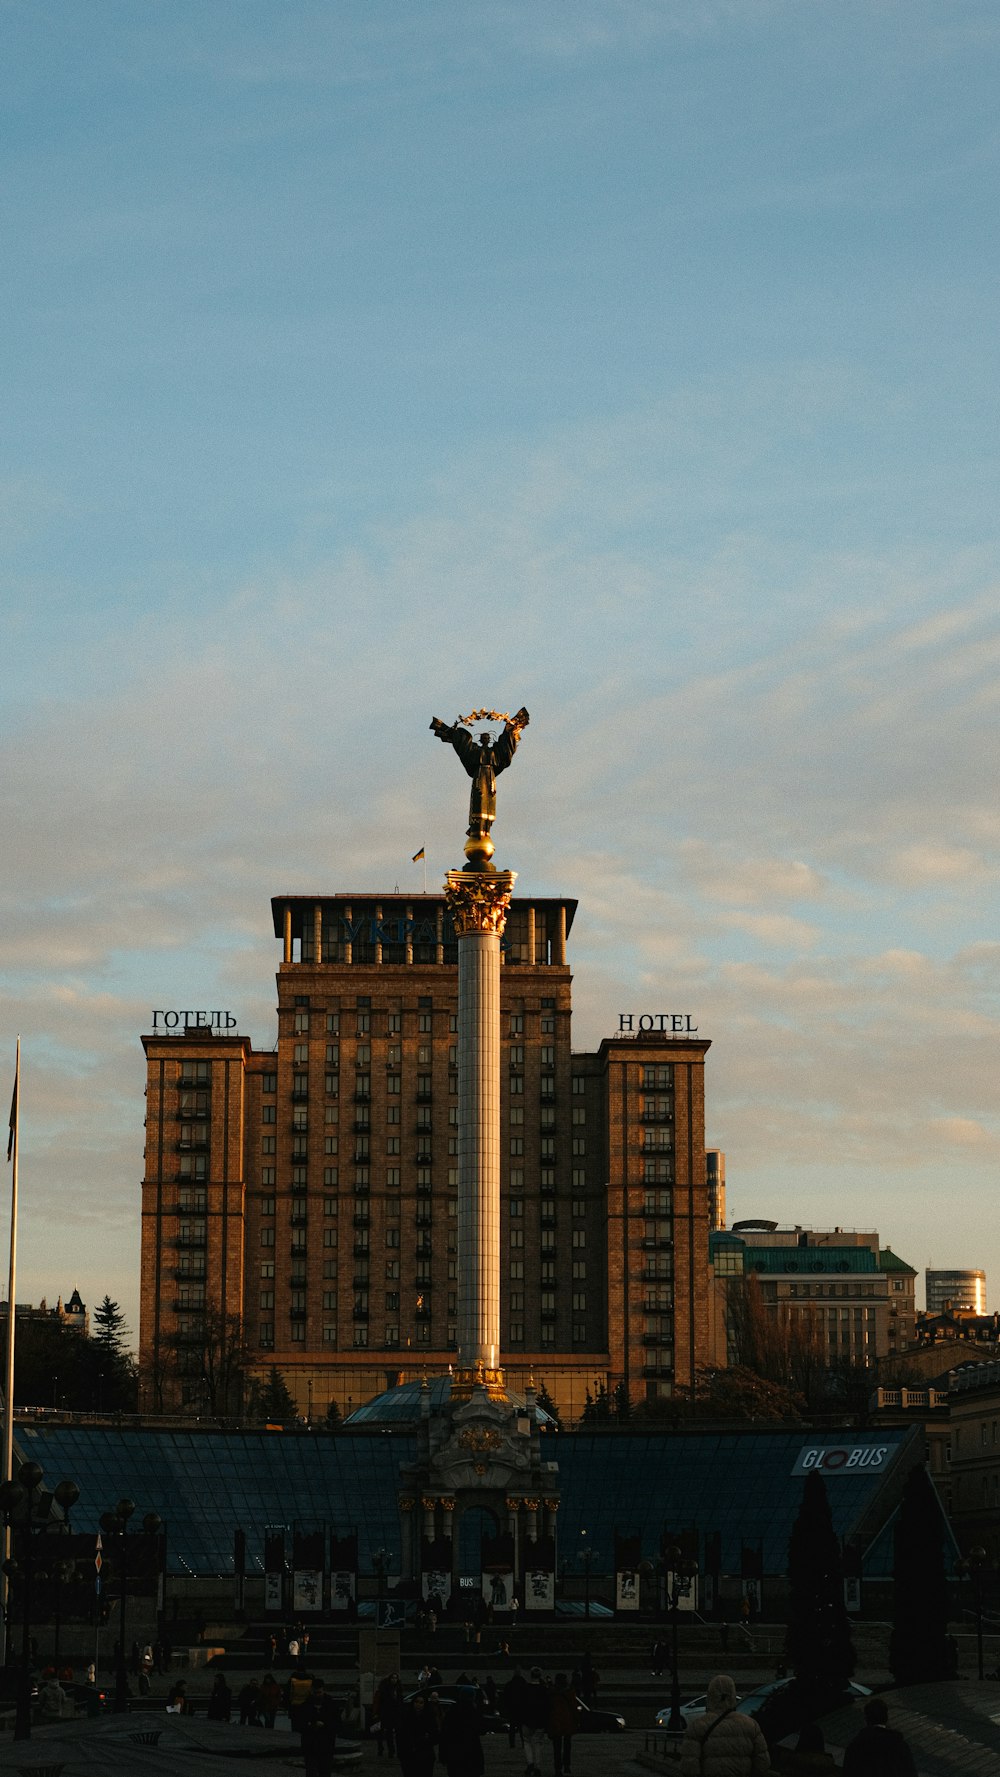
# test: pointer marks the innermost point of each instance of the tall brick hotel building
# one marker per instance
(301, 1203)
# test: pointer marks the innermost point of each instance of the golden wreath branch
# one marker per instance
(515, 721)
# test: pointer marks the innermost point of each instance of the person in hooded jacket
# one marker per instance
(722, 1743)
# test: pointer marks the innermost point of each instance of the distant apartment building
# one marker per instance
(955, 1289)
(715, 1184)
(857, 1294)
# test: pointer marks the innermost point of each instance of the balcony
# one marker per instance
(360, 1314)
(192, 1114)
(658, 1370)
(362, 1221)
(191, 1242)
(649, 1339)
(652, 1306)
(180, 1306)
(297, 1314)
(546, 1221)
(656, 1117)
(362, 1123)
(300, 1097)
(362, 1097)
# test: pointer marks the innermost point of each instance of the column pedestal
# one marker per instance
(478, 902)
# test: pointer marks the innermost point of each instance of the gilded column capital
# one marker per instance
(551, 1505)
(447, 1505)
(478, 902)
(428, 1504)
(406, 1504)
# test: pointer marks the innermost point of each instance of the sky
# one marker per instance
(632, 360)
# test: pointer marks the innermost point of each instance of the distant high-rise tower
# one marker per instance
(956, 1289)
(715, 1179)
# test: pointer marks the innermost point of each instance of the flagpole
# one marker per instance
(8, 1404)
(425, 872)
(8, 1392)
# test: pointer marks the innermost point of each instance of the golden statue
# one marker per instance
(483, 762)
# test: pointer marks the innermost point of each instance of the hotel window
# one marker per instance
(269, 1083)
(516, 1207)
(330, 1175)
(333, 1054)
(517, 1144)
(517, 1332)
(267, 1268)
(330, 1144)
(329, 1236)
(364, 1023)
(579, 1085)
(579, 1237)
(395, 1023)
(267, 1144)
(301, 1020)
(330, 1334)
(392, 1237)
(392, 1269)
(267, 1237)
(517, 1083)
(517, 1178)
(516, 1116)
(332, 1085)
(266, 1334)
(267, 1175)
(333, 1024)
(517, 1026)
(424, 1023)
(548, 1055)
(363, 1057)
(391, 1336)
(267, 1206)
(393, 1083)
(361, 1336)
(300, 1054)
(579, 1146)
(517, 1268)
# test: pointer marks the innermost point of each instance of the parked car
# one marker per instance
(449, 1694)
(599, 1721)
(747, 1705)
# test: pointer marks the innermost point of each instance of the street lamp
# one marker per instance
(115, 1523)
(681, 1570)
(973, 1565)
(586, 1555)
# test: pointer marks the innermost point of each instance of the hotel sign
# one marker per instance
(675, 1024)
(188, 1020)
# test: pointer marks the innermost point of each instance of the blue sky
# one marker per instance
(632, 359)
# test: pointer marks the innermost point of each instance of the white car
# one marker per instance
(747, 1705)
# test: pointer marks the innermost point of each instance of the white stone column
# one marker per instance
(478, 903)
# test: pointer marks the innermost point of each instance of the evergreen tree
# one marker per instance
(334, 1418)
(110, 1329)
(819, 1629)
(544, 1400)
(919, 1651)
(273, 1400)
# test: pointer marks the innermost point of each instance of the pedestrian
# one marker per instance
(274, 1648)
(564, 1719)
(460, 1743)
(416, 1737)
(220, 1700)
(249, 1704)
(513, 1699)
(297, 1694)
(722, 1743)
(318, 1725)
(388, 1701)
(534, 1722)
(878, 1751)
(590, 1678)
(177, 1703)
(270, 1699)
(661, 1655)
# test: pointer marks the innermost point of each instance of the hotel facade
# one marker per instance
(299, 1205)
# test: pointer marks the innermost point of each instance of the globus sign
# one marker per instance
(841, 1459)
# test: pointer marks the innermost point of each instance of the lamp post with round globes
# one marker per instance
(587, 1555)
(681, 1570)
(972, 1564)
(116, 1523)
(19, 1498)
